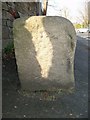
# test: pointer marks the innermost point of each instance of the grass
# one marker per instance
(8, 51)
(9, 48)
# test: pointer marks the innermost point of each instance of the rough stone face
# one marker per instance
(44, 49)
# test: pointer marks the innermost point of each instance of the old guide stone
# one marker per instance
(44, 49)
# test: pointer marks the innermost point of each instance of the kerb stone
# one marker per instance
(45, 50)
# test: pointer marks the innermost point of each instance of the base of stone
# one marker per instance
(46, 86)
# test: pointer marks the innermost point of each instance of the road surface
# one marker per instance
(75, 105)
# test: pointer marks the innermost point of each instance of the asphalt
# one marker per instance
(17, 104)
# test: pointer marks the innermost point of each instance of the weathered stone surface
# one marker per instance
(44, 49)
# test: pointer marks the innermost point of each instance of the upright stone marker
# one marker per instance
(44, 49)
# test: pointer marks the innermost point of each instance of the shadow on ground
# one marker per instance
(19, 105)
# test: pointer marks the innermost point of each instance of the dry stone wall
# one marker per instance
(24, 9)
(7, 24)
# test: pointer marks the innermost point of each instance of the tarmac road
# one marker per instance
(75, 105)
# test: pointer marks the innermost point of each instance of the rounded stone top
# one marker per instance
(46, 21)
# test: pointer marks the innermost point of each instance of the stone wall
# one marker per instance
(24, 9)
(28, 9)
(7, 24)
